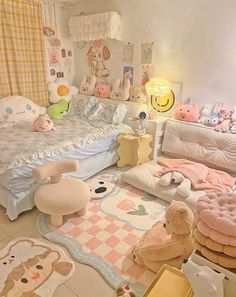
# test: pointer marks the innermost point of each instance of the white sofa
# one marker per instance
(189, 141)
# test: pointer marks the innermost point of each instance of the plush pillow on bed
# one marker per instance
(109, 113)
(81, 106)
(18, 108)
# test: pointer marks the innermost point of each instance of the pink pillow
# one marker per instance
(186, 111)
(102, 90)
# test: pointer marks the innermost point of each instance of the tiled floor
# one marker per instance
(85, 282)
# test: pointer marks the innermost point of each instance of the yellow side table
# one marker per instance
(134, 149)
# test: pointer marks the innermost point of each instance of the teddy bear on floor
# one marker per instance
(177, 178)
(168, 242)
(225, 120)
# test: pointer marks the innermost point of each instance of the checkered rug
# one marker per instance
(117, 216)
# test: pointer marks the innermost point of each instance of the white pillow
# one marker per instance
(18, 108)
(109, 113)
(82, 106)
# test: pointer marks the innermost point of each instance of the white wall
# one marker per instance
(195, 42)
(63, 13)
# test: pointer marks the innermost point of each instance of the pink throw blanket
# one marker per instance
(201, 177)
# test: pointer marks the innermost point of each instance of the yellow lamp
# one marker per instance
(162, 97)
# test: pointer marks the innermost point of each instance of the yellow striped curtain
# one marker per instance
(22, 52)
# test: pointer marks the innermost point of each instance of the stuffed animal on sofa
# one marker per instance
(204, 280)
(87, 85)
(204, 113)
(213, 118)
(61, 89)
(187, 111)
(168, 242)
(102, 89)
(43, 124)
(225, 120)
(177, 178)
(118, 92)
(233, 129)
(138, 95)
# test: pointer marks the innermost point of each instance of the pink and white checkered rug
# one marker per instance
(117, 216)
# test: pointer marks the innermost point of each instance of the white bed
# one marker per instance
(93, 144)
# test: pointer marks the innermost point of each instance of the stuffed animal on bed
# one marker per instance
(187, 111)
(61, 89)
(138, 94)
(204, 113)
(87, 85)
(175, 177)
(213, 118)
(225, 120)
(102, 89)
(55, 111)
(118, 92)
(168, 242)
(17, 108)
(43, 124)
(233, 129)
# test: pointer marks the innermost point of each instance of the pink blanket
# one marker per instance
(202, 177)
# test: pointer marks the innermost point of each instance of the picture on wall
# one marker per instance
(166, 104)
(147, 73)
(97, 55)
(146, 53)
(128, 54)
(128, 73)
(54, 57)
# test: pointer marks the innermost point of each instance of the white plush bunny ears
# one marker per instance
(87, 85)
(118, 92)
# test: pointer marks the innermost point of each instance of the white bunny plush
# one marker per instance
(213, 118)
(87, 85)
(233, 129)
(177, 178)
(204, 113)
(119, 93)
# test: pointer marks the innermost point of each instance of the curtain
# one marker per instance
(22, 52)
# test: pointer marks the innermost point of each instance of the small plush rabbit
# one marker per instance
(119, 93)
(87, 85)
(204, 113)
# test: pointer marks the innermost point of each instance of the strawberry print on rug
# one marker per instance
(117, 216)
(32, 268)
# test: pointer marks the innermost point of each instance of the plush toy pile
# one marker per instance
(167, 242)
(222, 119)
(215, 228)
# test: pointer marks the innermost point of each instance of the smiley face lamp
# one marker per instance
(162, 97)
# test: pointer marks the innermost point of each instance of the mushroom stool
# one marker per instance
(60, 196)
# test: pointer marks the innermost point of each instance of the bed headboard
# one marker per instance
(133, 111)
(200, 143)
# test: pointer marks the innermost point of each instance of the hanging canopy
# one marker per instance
(95, 26)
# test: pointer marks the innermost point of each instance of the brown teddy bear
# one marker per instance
(167, 242)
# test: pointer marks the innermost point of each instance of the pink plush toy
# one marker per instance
(225, 120)
(43, 124)
(187, 111)
(102, 89)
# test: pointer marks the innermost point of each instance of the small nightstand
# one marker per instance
(156, 127)
(134, 149)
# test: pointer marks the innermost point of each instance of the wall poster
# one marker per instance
(128, 73)
(146, 53)
(128, 54)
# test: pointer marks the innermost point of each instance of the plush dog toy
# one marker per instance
(118, 92)
(204, 280)
(225, 120)
(168, 242)
(43, 124)
(177, 178)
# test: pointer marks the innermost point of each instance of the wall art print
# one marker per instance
(146, 53)
(54, 57)
(128, 73)
(128, 54)
(147, 73)
(98, 54)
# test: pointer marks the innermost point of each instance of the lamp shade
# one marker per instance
(158, 86)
